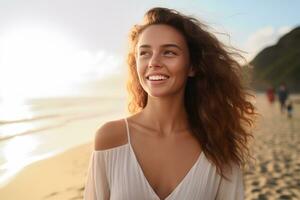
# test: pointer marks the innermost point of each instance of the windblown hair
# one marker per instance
(217, 102)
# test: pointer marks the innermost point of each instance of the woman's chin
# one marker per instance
(158, 94)
(162, 93)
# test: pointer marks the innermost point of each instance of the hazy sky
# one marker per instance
(98, 24)
(88, 38)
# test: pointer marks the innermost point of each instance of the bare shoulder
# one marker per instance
(111, 134)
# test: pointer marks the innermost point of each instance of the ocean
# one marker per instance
(36, 129)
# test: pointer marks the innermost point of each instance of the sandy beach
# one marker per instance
(68, 142)
(274, 175)
(60, 177)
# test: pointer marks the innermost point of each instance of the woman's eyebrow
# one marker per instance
(164, 45)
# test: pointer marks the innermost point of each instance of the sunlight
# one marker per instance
(15, 109)
(31, 59)
(36, 62)
(18, 149)
(17, 153)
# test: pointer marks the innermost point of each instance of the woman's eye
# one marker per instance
(142, 53)
(170, 53)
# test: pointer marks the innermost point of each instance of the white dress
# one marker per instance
(115, 174)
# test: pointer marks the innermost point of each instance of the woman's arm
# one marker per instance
(96, 187)
(109, 135)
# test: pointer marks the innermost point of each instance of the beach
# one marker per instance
(59, 177)
(275, 171)
(45, 156)
(275, 174)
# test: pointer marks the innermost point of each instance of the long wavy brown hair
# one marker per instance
(217, 102)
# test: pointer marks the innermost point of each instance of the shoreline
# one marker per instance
(61, 176)
(50, 143)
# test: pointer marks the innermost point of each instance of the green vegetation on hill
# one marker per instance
(278, 63)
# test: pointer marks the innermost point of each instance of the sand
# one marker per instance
(58, 178)
(276, 150)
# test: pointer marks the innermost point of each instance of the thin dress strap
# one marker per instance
(127, 128)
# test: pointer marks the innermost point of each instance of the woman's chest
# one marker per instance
(128, 181)
(165, 164)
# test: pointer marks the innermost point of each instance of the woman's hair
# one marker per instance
(216, 100)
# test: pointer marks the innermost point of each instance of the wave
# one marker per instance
(3, 122)
(44, 114)
(59, 124)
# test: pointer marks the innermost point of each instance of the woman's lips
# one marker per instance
(157, 82)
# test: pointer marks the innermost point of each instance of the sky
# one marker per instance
(50, 46)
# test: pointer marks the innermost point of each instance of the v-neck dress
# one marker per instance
(115, 174)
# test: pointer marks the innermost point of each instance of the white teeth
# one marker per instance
(157, 77)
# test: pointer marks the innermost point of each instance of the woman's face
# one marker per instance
(162, 59)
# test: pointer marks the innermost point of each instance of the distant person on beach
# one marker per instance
(289, 108)
(271, 94)
(187, 136)
(282, 96)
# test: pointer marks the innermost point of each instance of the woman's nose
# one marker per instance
(155, 61)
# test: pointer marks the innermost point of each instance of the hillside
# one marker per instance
(279, 63)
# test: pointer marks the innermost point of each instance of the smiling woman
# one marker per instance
(188, 133)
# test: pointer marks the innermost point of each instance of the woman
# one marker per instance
(187, 137)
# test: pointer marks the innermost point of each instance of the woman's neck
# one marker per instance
(166, 115)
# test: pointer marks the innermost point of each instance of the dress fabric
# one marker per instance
(115, 174)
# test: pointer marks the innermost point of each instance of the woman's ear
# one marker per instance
(191, 72)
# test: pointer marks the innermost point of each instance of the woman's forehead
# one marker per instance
(159, 35)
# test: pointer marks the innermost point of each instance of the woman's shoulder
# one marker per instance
(110, 135)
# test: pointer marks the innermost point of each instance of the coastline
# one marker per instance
(61, 135)
(59, 177)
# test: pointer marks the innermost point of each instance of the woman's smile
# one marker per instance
(157, 79)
